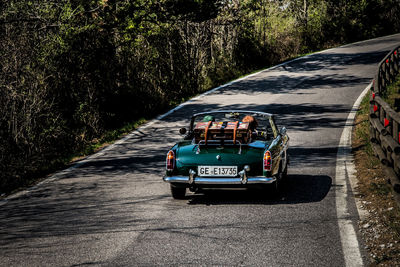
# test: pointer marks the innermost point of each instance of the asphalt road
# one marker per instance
(114, 209)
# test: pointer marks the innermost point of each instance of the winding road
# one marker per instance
(113, 209)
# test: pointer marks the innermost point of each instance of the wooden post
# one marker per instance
(396, 131)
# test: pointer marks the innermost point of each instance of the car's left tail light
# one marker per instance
(170, 160)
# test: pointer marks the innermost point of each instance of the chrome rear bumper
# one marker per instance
(218, 180)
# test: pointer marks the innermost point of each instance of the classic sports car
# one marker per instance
(228, 148)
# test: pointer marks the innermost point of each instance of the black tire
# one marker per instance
(284, 179)
(278, 186)
(178, 192)
(273, 190)
(284, 174)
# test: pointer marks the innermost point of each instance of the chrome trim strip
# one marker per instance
(219, 181)
(176, 179)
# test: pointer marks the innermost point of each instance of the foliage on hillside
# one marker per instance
(73, 69)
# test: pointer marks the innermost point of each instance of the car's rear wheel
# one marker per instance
(272, 191)
(178, 192)
(278, 186)
(284, 177)
(284, 174)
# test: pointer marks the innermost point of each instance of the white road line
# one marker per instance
(345, 172)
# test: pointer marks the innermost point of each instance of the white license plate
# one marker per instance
(219, 171)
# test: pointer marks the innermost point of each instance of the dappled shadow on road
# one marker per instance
(298, 189)
(304, 74)
(285, 84)
(312, 156)
(334, 61)
(151, 163)
(75, 210)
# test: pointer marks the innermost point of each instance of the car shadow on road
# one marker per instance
(298, 189)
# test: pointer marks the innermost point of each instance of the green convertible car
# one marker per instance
(228, 148)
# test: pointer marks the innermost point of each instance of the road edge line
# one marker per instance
(345, 174)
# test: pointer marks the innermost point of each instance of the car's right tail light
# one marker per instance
(170, 160)
(267, 161)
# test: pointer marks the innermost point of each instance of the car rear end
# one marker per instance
(216, 166)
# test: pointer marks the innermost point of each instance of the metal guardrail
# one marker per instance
(384, 121)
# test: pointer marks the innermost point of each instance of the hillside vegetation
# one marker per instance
(73, 70)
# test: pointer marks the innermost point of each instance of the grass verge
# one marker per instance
(107, 138)
(380, 228)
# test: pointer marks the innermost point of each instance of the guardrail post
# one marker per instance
(387, 70)
(381, 114)
(396, 131)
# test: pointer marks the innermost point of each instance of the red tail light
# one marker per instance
(170, 160)
(267, 161)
